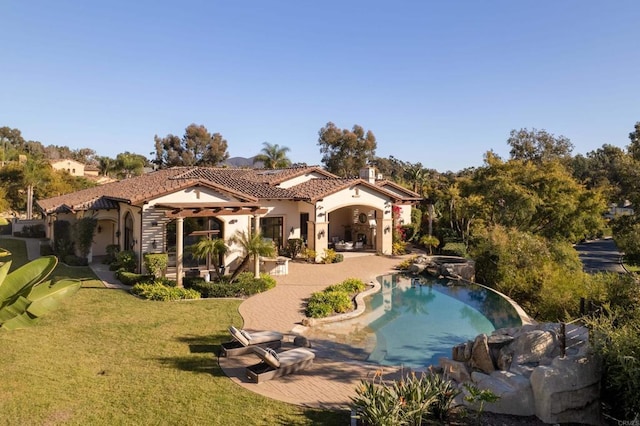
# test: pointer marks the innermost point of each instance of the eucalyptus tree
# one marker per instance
(197, 147)
(345, 152)
(273, 156)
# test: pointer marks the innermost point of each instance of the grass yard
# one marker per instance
(106, 357)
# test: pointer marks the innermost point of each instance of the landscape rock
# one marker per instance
(532, 378)
(480, 356)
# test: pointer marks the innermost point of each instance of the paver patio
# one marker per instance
(332, 379)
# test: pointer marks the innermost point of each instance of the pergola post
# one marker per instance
(179, 249)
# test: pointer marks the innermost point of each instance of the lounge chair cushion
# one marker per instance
(246, 335)
(267, 357)
(238, 336)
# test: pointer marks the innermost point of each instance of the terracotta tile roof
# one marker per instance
(248, 185)
(395, 188)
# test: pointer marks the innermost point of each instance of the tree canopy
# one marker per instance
(197, 147)
(345, 152)
(538, 146)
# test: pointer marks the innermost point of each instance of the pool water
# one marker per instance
(415, 321)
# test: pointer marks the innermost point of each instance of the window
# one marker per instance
(128, 232)
(272, 228)
(194, 230)
(304, 226)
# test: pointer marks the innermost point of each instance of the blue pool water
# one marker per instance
(415, 321)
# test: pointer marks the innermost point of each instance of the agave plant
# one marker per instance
(25, 296)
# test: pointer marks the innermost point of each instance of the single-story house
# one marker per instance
(171, 209)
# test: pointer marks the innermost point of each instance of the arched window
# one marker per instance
(128, 232)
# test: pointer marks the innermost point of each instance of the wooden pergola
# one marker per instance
(179, 211)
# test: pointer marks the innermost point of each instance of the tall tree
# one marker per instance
(538, 146)
(634, 147)
(345, 152)
(197, 147)
(273, 156)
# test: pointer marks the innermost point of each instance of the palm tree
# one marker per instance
(272, 156)
(212, 250)
(253, 246)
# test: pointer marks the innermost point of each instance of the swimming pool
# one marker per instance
(415, 321)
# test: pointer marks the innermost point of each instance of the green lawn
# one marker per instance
(106, 357)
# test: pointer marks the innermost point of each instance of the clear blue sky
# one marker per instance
(438, 82)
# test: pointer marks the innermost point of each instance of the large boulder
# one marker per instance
(568, 390)
(516, 395)
(534, 346)
(480, 355)
(455, 370)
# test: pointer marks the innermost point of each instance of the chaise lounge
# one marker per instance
(275, 364)
(244, 341)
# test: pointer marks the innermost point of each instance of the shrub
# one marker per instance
(329, 256)
(399, 247)
(131, 278)
(318, 306)
(294, 247)
(112, 253)
(32, 231)
(616, 339)
(430, 242)
(83, 231)
(73, 260)
(454, 249)
(405, 264)
(339, 258)
(350, 285)
(244, 285)
(126, 260)
(160, 292)
(309, 255)
(410, 400)
(336, 298)
(156, 263)
(62, 241)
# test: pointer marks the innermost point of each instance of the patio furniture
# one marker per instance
(275, 364)
(243, 341)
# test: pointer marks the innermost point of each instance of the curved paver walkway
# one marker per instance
(332, 380)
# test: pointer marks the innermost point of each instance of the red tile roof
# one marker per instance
(248, 185)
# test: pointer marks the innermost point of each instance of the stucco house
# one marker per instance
(73, 167)
(168, 210)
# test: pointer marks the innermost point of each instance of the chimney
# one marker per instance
(369, 174)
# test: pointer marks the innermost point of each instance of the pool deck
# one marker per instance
(331, 381)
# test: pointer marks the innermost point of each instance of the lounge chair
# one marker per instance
(278, 364)
(243, 341)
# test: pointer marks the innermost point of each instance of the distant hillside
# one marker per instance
(242, 162)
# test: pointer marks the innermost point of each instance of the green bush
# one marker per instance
(411, 400)
(454, 249)
(294, 247)
(126, 260)
(406, 263)
(318, 306)
(309, 255)
(334, 299)
(399, 247)
(156, 263)
(112, 253)
(244, 285)
(131, 278)
(615, 337)
(329, 256)
(339, 258)
(350, 286)
(160, 292)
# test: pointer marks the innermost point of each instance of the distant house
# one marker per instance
(169, 210)
(615, 211)
(91, 170)
(75, 168)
